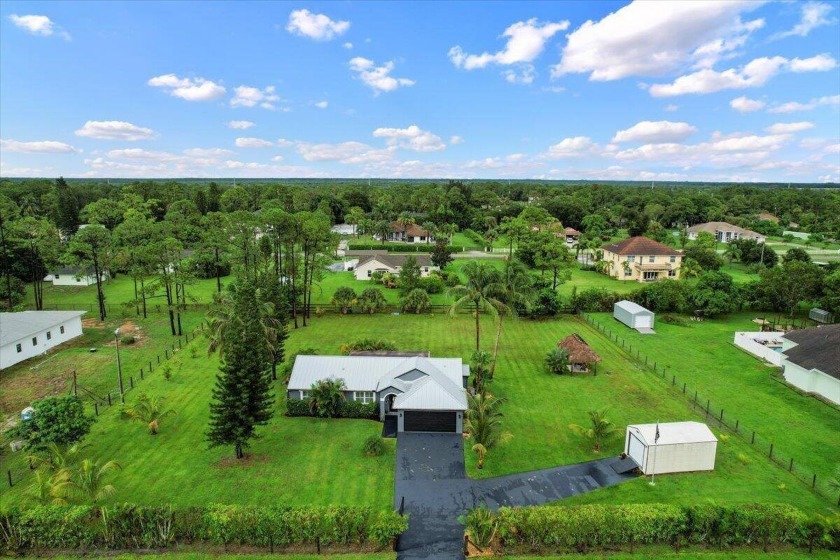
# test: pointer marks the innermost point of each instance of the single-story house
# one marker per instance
(411, 233)
(26, 334)
(633, 315)
(344, 229)
(388, 262)
(679, 447)
(725, 232)
(581, 355)
(425, 394)
(642, 260)
(74, 276)
(811, 360)
(572, 235)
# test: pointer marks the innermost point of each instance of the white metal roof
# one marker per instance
(632, 307)
(428, 394)
(15, 327)
(674, 432)
(363, 373)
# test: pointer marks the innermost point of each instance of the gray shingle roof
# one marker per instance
(20, 326)
(816, 348)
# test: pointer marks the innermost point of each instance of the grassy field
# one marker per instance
(703, 356)
(643, 553)
(203, 556)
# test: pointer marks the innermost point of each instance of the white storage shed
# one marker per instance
(633, 315)
(681, 447)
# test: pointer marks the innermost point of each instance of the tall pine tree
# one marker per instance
(242, 396)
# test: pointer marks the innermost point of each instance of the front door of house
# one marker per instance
(389, 404)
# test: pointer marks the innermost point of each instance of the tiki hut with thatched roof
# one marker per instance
(581, 355)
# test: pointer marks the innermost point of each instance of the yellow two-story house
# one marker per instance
(642, 260)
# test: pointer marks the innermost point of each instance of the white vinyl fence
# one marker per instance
(760, 345)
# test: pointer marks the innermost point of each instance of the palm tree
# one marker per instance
(382, 228)
(600, 428)
(481, 291)
(55, 457)
(150, 411)
(404, 220)
(516, 291)
(690, 268)
(51, 488)
(326, 396)
(732, 252)
(430, 228)
(90, 480)
(484, 424)
(481, 365)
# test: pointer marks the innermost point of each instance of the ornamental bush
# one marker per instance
(401, 247)
(58, 420)
(346, 409)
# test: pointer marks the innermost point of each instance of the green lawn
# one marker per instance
(214, 556)
(703, 356)
(644, 553)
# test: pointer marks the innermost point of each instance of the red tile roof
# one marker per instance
(640, 246)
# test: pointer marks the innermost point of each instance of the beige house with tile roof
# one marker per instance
(640, 259)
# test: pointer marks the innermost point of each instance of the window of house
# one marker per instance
(61, 329)
(49, 335)
(425, 269)
(304, 394)
(57, 276)
(631, 258)
(673, 258)
(672, 273)
(628, 272)
(78, 279)
(19, 348)
(34, 341)
(651, 258)
(369, 273)
(364, 397)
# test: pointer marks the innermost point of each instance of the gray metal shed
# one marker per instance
(633, 315)
(821, 316)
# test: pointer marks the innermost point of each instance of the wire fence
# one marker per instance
(716, 415)
(98, 403)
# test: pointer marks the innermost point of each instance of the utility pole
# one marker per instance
(119, 364)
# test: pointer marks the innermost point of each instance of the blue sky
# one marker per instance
(723, 91)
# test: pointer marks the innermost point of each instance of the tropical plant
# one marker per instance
(482, 369)
(482, 291)
(149, 411)
(557, 361)
(374, 446)
(326, 396)
(90, 480)
(416, 301)
(344, 297)
(58, 420)
(372, 301)
(483, 423)
(482, 525)
(51, 488)
(54, 457)
(600, 428)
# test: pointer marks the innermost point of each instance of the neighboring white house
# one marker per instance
(344, 229)
(681, 447)
(811, 360)
(411, 233)
(387, 262)
(27, 334)
(725, 232)
(764, 345)
(633, 315)
(74, 276)
(425, 394)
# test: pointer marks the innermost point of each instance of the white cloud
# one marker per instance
(283, 143)
(813, 15)
(247, 96)
(322, 104)
(572, 147)
(525, 42)
(277, 158)
(114, 130)
(832, 149)
(345, 152)
(456, 140)
(754, 74)
(787, 128)
(654, 132)
(744, 104)
(794, 106)
(208, 152)
(671, 107)
(253, 143)
(240, 125)
(411, 138)
(189, 89)
(652, 38)
(40, 147)
(377, 77)
(39, 25)
(348, 45)
(315, 26)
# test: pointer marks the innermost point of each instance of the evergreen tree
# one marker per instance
(68, 208)
(242, 396)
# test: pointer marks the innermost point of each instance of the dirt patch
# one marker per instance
(131, 328)
(250, 459)
(93, 323)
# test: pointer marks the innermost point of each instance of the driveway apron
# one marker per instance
(431, 479)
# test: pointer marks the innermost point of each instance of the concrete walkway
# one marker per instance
(431, 478)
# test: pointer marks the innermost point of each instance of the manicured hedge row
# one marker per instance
(347, 409)
(401, 248)
(129, 527)
(580, 528)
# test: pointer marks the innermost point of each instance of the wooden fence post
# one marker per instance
(736, 425)
(131, 381)
(75, 385)
(790, 467)
(9, 474)
(96, 408)
(141, 374)
(771, 451)
(109, 399)
(814, 481)
(753, 438)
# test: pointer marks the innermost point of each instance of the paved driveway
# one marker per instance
(432, 479)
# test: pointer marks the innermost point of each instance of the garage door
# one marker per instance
(415, 421)
(642, 321)
(637, 450)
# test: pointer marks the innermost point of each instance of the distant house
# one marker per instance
(581, 355)
(411, 233)
(74, 276)
(27, 334)
(572, 236)
(390, 263)
(425, 394)
(811, 360)
(725, 232)
(768, 217)
(344, 229)
(642, 260)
